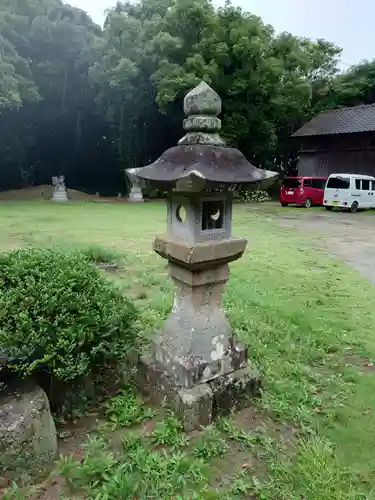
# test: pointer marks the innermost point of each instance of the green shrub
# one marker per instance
(254, 195)
(59, 315)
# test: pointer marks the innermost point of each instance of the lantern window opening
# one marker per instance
(213, 213)
(181, 214)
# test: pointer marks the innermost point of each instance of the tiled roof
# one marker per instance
(340, 121)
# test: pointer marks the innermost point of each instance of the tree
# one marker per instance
(90, 103)
(355, 86)
(53, 46)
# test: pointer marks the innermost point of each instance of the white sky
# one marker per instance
(348, 23)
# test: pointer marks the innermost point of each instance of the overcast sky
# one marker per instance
(348, 23)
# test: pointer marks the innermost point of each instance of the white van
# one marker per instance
(349, 191)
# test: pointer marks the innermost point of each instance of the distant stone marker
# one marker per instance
(135, 194)
(59, 189)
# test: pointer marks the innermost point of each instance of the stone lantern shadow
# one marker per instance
(195, 364)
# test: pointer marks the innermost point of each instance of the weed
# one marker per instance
(14, 492)
(100, 255)
(242, 484)
(127, 409)
(169, 432)
(132, 442)
(242, 438)
(210, 445)
(141, 295)
(136, 472)
(96, 466)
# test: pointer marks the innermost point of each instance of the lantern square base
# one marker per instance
(198, 406)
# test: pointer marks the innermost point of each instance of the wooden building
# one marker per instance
(338, 141)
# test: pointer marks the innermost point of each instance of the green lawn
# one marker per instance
(309, 323)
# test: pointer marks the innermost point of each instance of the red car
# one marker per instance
(306, 191)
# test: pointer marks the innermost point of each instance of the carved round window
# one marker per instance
(181, 214)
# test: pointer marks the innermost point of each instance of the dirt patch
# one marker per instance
(349, 237)
(241, 456)
(43, 192)
(250, 457)
(350, 359)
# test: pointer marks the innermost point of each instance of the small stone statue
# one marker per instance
(59, 189)
(135, 193)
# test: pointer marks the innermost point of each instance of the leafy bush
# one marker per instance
(58, 315)
(255, 195)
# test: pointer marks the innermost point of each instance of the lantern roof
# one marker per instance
(201, 153)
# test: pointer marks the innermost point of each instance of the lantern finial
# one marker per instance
(202, 105)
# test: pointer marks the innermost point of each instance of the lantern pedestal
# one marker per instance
(196, 365)
(198, 406)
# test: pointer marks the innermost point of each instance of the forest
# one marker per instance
(89, 102)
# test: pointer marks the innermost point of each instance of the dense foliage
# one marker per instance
(60, 316)
(254, 195)
(88, 102)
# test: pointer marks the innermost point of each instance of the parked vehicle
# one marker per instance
(350, 192)
(306, 191)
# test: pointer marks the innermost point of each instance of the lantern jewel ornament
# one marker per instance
(196, 365)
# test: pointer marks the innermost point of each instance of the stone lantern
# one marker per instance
(196, 365)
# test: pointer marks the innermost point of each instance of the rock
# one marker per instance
(28, 439)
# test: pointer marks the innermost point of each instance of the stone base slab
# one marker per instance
(60, 197)
(136, 195)
(199, 405)
(201, 255)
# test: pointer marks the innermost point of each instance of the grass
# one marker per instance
(309, 323)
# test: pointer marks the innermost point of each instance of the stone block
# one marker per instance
(136, 194)
(234, 391)
(60, 196)
(28, 441)
(199, 405)
(218, 274)
(193, 406)
(202, 255)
